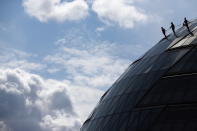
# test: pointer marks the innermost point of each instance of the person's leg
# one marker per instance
(190, 31)
(174, 33)
(165, 36)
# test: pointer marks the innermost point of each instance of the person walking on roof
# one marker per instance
(173, 28)
(164, 32)
(186, 24)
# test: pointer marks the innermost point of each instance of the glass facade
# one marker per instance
(158, 92)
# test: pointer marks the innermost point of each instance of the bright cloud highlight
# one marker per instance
(56, 10)
(121, 12)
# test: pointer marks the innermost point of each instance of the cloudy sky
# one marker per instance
(57, 57)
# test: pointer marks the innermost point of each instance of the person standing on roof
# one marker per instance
(173, 28)
(164, 32)
(186, 24)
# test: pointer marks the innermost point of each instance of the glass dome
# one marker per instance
(157, 92)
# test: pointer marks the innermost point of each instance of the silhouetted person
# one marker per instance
(164, 32)
(173, 28)
(186, 24)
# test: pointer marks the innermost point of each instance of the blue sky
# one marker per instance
(59, 56)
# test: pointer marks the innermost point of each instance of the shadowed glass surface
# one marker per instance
(157, 92)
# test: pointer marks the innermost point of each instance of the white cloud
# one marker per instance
(84, 99)
(45, 10)
(121, 12)
(58, 123)
(30, 102)
(89, 67)
(12, 58)
(100, 29)
(3, 126)
(23, 64)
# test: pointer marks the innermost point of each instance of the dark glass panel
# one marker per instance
(130, 102)
(169, 58)
(114, 106)
(121, 104)
(133, 121)
(106, 107)
(191, 126)
(134, 82)
(175, 117)
(180, 89)
(103, 123)
(123, 85)
(194, 42)
(147, 118)
(91, 125)
(142, 120)
(111, 125)
(186, 65)
(123, 122)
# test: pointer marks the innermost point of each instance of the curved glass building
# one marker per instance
(158, 92)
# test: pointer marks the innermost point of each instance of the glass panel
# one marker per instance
(186, 65)
(123, 85)
(169, 58)
(180, 43)
(121, 104)
(133, 121)
(184, 42)
(153, 97)
(180, 89)
(130, 101)
(189, 41)
(103, 122)
(108, 106)
(133, 82)
(191, 126)
(147, 118)
(92, 125)
(123, 123)
(177, 117)
(143, 120)
(194, 42)
(159, 48)
(112, 124)
(114, 104)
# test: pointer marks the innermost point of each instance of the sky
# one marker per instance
(58, 57)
